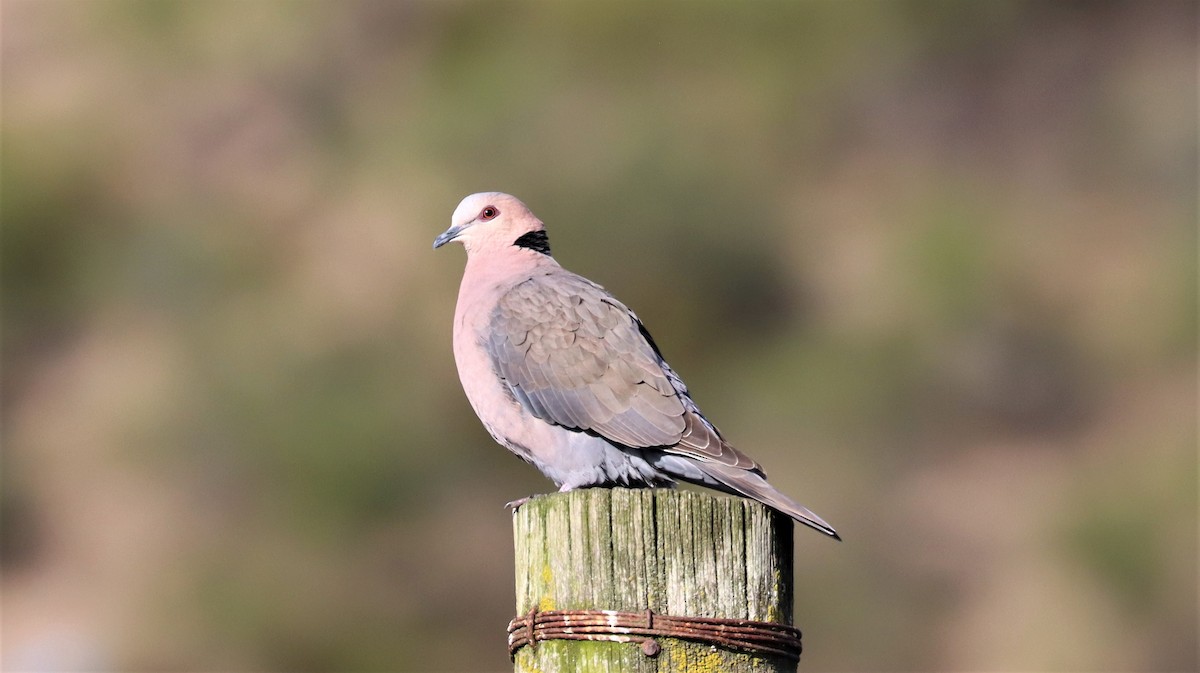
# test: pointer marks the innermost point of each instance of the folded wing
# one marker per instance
(573, 355)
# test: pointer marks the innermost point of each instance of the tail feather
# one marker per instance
(754, 485)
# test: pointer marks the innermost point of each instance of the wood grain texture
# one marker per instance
(675, 552)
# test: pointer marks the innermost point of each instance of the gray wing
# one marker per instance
(574, 356)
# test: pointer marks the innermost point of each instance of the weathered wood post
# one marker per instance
(677, 554)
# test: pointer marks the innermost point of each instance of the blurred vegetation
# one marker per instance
(933, 263)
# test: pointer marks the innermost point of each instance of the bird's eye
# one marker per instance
(488, 213)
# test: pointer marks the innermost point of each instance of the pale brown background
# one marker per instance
(932, 263)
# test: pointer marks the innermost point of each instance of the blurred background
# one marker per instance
(932, 263)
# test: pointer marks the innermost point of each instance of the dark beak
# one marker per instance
(447, 236)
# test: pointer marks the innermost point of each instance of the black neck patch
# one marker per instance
(536, 241)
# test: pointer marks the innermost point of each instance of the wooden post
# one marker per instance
(678, 553)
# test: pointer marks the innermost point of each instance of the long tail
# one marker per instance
(752, 485)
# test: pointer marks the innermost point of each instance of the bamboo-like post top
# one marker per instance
(677, 553)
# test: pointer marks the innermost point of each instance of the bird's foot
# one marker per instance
(516, 504)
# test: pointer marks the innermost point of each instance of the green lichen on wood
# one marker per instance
(675, 552)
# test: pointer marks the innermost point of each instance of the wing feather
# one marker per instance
(574, 356)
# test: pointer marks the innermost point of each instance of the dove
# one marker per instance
(569, 379)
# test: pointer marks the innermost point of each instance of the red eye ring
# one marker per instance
(488, 213)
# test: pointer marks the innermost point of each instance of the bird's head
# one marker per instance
(492, 221)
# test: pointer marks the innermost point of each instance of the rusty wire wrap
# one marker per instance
(758, 638)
